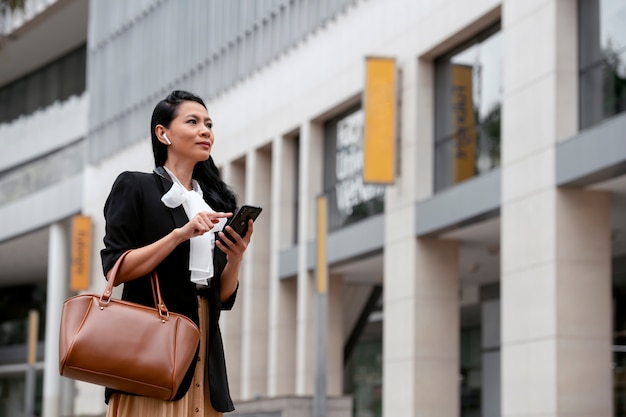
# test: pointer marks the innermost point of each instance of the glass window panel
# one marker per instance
(52, 91)
(366, 380)
(471, 371)
(468, 97)
(296, 189)
(15, 305)
(619, 335)
(349, 199)
(602, 44)
(12, 391)
(363, 372)
(612, 29)
(55, 81)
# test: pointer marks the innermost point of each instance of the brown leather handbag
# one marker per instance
(126, 346)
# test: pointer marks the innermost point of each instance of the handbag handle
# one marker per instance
(105, 298)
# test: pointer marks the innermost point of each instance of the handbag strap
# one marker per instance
(105, 298)
(160, 304)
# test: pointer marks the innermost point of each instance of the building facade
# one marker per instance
(487, 279)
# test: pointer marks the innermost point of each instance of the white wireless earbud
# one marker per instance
(166, 139)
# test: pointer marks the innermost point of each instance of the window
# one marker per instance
(13, 390)
(468, 99)
(56, 81)
(349, 199)
(619, 336)
(15, 305)
(602, 60)
(296, 188)
(363, 359)
(470, 378)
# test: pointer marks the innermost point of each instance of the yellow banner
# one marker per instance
(464, 131)
(81, 253)
(379, 103)
(33, 333)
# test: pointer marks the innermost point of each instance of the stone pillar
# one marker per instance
(334, 353)
(58, 267)
(421, 302)
(555, 244)
(282, 293)
(583, 307)
(556, 306)
(231, 322)
(311, 149)
(421, 331)
(255, 279)
(285, 331)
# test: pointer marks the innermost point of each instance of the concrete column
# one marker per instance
(305, 353)
(556, 306)
(303, 313)
(286, 329)
(334, 353)
(583, 307)
(88, 398)
(421, 332)
(58, 267)
(231, 322)
(255, 278)
(282, 294)
(555, 244)
(246, 293)
(421, 329)
(311, 149)
(274, 282)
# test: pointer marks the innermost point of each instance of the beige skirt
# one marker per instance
(196, 403)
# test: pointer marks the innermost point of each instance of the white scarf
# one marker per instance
(201, 247)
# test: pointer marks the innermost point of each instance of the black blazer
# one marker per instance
(135, 216)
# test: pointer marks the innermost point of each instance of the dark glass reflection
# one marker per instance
(55, 81)
(619, 336)
(468, 99)
(349, 199)
(602, 60)
(15, 304)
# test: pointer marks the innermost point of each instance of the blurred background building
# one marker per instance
(488, 278)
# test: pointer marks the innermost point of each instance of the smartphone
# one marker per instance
(239, 221)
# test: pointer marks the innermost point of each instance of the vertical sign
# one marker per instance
(380, 121)
(464, 131)
(81, 253)
(321, 304)
(33, 332)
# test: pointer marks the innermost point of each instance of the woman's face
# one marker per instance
(191, 133)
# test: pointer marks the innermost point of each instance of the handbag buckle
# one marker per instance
(105, 301)
(163, 313)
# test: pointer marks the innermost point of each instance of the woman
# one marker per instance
(171, 218)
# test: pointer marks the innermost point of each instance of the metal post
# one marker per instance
(321, 323)
(58, 267)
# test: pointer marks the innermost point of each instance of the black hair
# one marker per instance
(215, 191)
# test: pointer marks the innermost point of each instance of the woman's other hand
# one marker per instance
(234, 245)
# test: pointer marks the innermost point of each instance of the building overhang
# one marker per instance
(49, 34)
(594, 155)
